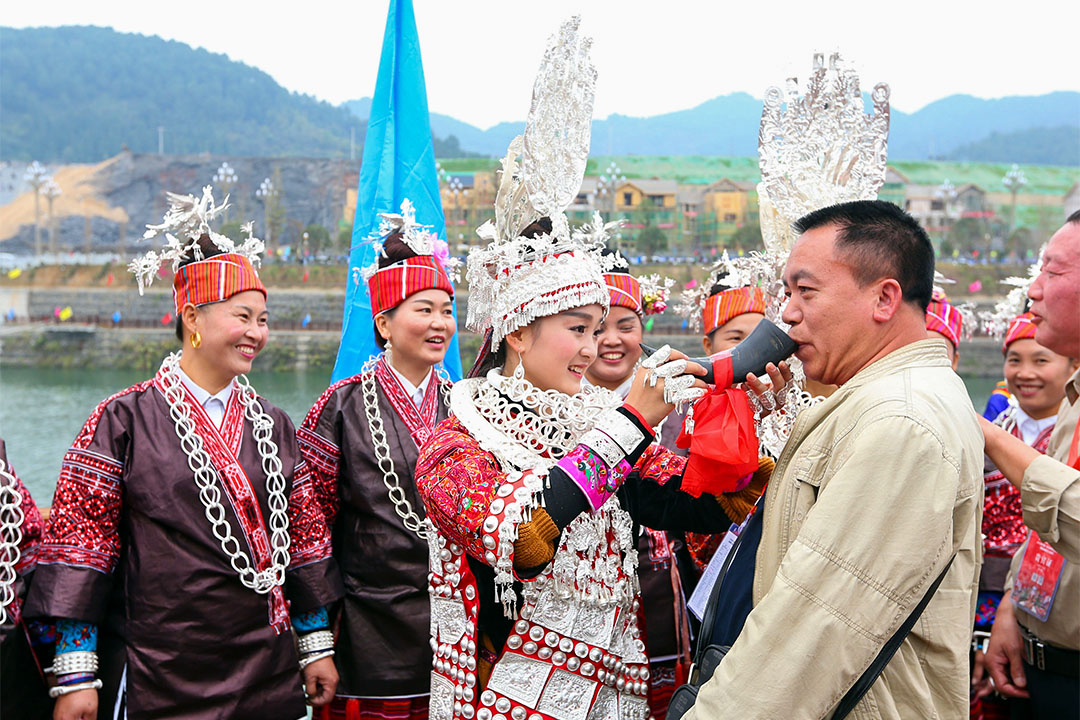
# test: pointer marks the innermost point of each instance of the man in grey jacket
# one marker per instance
(877, 489)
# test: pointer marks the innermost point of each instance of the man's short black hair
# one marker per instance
(880, 240)
(1074, 217)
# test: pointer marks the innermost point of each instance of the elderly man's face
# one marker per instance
(831, 317)
(1055, 294)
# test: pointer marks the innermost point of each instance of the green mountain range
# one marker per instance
(82, 94)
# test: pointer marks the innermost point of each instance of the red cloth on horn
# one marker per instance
(723, 446)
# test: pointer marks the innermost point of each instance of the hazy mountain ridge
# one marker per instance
(959, 127)
(81, 94)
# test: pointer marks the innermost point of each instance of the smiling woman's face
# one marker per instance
(1036, 377)
(556, 349)
(233, 332)
(618, 348)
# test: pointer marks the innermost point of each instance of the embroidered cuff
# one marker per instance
(75, 635)
(606, 455)
(593, 476)
(312, 620)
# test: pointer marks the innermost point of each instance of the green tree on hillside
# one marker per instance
(318, 238)
(748, 236)
(651, 240)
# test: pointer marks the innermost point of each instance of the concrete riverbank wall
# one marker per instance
(48, 345)
(305, 330)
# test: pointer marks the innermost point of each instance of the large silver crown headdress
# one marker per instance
(185, 222)
(815, 149)
(514, 279)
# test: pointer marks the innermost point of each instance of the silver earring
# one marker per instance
(519, 371)
(389, 351)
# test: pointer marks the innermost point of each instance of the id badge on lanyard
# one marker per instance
(699, 599)
(1037, 580)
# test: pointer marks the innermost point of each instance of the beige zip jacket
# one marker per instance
(876, 489)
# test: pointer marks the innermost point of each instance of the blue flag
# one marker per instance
(398, 163)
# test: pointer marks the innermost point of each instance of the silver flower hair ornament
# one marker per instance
(996, 322)
(655, 292)
(419, 238)
(753, 270)
(185, 222)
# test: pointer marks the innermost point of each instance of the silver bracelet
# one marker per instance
(620, 429)
(80, 661)
(65, 689)
(307, 660)
(600, 443)
(316, 641)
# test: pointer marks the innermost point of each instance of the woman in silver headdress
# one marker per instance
(533, 488)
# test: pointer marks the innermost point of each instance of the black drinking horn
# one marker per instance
(766, 344)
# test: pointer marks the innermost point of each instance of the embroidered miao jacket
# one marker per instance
(570, 648)
(22, 689)
(382, 646)
(877, 488)
(129, 548)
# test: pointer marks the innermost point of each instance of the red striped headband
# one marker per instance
(1021, 328)
(389, 286)
(625, 291)
(942, 317)
(723, 306)
(214, 279)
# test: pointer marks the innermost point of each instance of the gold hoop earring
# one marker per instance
(196, 339)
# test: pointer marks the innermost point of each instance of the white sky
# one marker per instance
(480, 56)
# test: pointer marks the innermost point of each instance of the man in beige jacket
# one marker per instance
(877, 489)
(1031, 656)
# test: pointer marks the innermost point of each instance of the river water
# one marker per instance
(41, 411)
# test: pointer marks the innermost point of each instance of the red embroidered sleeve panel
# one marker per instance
(458, 480)
(659, 465)
(33, 528)
(319, 437)
(83, 522)
(309, 535)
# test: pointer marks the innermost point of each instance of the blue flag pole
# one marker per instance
(398, 163)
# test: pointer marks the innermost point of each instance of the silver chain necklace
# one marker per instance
(11, 521)
(206, 476)
(402, 506)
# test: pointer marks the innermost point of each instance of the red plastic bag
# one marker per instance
(723, 446)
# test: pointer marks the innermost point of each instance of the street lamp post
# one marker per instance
(456, 189)
(36, 175)
(266, 194)
(1013, 181)
(608, 183)
(225, 178)
(303, 255)
(52, 191)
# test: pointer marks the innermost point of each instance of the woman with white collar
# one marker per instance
(362, 439)
(184, 529)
